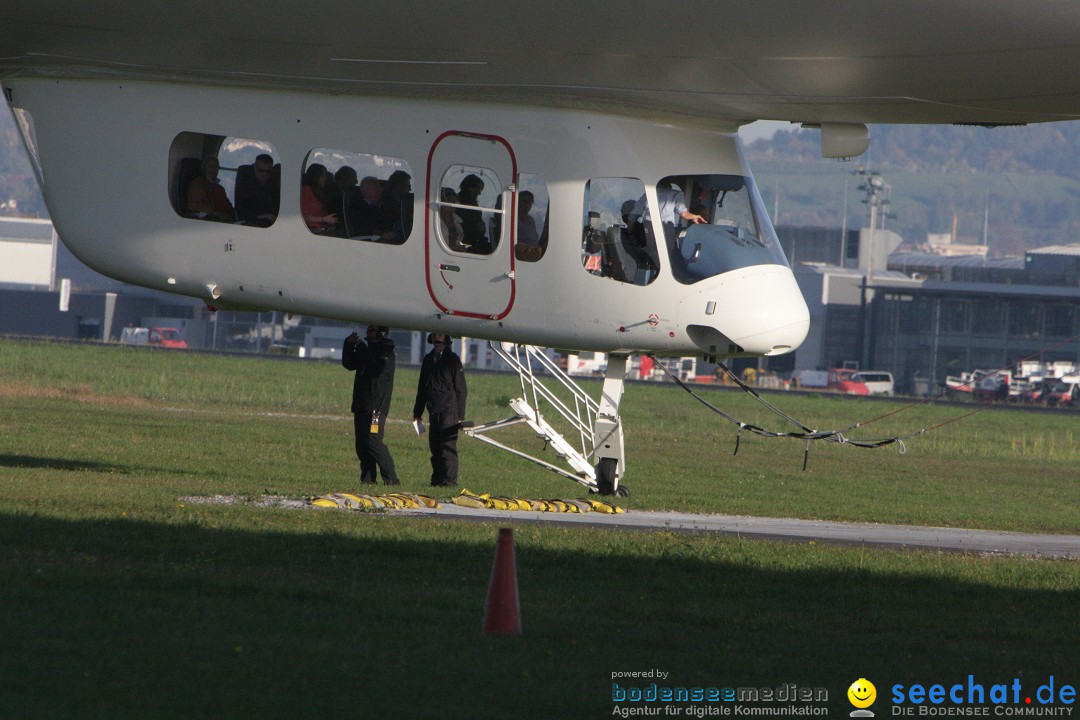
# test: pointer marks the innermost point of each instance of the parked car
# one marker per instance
(1060, 393)
(847, 381)
(877, 382)
(167, 337)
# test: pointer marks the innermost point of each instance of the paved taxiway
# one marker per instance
(761, 528)
(864, 534)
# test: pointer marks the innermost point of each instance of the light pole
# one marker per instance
(878, 195)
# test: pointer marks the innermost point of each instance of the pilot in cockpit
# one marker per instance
(673, 211)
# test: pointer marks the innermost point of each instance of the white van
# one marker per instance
(876, 381)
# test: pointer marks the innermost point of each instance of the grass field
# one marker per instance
(122, 600)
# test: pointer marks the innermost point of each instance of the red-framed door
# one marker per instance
(474, 279)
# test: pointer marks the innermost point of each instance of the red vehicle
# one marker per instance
(168, 337)
(845, 381)
(996, 387)
(1059, 393)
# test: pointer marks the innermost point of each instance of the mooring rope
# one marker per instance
(806, 433)
(838, 436)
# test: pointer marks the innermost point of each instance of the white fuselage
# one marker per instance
(104, 149)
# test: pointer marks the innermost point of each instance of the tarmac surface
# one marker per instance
(992, 542)
(786, 529)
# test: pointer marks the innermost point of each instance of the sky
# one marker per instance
(763, 129)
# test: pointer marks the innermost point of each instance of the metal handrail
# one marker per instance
(540, 390)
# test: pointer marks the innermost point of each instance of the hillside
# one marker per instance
(1024, 180)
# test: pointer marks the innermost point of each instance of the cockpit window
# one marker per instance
(713, 224)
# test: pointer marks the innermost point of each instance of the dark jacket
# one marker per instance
(441, 389)
(367, 219)
(474, 231)
(254, 198)
(373, 385)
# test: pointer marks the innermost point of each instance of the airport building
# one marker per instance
(972, 320)
(46, 291)
(924, 316)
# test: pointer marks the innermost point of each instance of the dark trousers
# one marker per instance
(372, 451)
(444, 457)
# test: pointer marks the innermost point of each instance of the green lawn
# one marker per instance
(122, 600)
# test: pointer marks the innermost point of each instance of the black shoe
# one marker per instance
(366, 482)
(395, 481)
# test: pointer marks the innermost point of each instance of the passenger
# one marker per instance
(526, 225)
(592, 241)
(475, 238)
(399, 196)
(443, 392)
(313, 200)
(368, 214)
(528, 247)
(257, 201)
(451, 222)
(373, 387)
(206, 198)
(338, 191)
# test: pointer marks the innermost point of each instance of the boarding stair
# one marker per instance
(549, 396)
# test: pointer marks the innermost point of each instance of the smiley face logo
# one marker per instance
(862, 693)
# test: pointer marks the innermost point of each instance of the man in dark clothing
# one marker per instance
(373, 387)
(473, 226)
(258, 192)
(442, 391)
(368, 214)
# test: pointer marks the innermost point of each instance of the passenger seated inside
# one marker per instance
(368, 216)
(610, 249)
(258, 192)
(592, 243)
(528, 247)
(313, 201)
(450, 221)
(473, 226)
(637, 254)
(399, 196)
(343, 185)
(206, 199)
(187, 169)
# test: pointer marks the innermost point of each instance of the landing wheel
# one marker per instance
(605, 476)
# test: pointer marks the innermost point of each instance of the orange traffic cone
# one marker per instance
(502, 613)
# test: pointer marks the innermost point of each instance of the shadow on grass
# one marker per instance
(67, 465)
(146, 620)
(30, 461)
